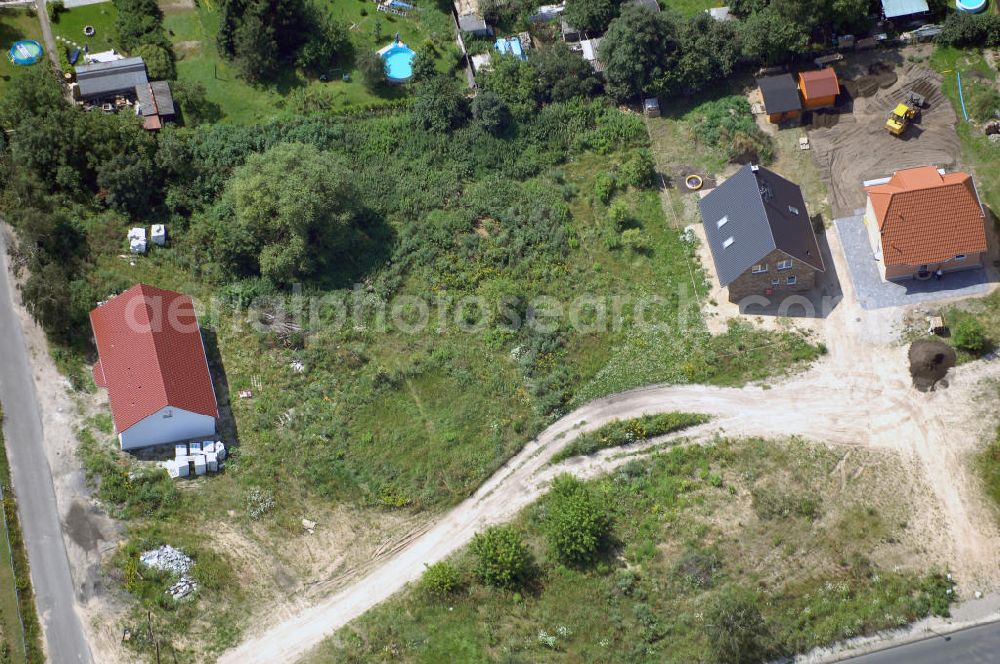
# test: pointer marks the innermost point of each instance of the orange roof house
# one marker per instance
(153, 364)
(819, 88)
(922, 220)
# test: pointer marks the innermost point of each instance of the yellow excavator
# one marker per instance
(905, 112)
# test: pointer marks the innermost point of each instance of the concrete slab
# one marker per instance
(874, 293)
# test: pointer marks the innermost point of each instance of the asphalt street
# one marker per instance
(976, 645)
(32, 480)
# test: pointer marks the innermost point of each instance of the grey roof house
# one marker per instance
(106, 79)
(760, 235)
(154, 103)
(902, 9)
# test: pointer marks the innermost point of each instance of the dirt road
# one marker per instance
(860, 394)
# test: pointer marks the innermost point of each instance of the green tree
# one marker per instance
(371, 67)
(577, 524)
(285, 214)
(708, 51)
(440, 105)
(159, 62)
(31, 94)
(515, 81)
(638, 51)
(639, 170)
(490, 111)
(591, 15)
(737, 633)
(970, 336)
(562, 74)
(440, 579)
(260, 35)
(125, 180)
(326, 40)
(770, 38)
(502, 558)
(423, 66)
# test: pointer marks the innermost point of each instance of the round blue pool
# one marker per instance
(398, 63)
(971, 6)
(25, 52)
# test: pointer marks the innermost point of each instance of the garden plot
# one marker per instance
(858, 147)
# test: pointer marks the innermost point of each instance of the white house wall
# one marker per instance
(168, 425)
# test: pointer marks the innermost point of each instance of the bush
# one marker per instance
(604, 186)
(621, 216)
(625, 432)
(490, 111)
(502, 558)
(737, 633)
(982, 100)
(970, 30)
(970, 335)
(372, 68)
(159, 62)
(440, 579)
(640, 169)
(635, 241)
(727, 124)
(577, 523)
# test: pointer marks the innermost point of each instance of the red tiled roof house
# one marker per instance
(819, 88)
(922, 220)
(153, 364)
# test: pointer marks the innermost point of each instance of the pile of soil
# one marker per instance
(879, 76)
(823, 119)
(929, 363)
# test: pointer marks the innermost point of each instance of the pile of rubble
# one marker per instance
(168, 559)
(204, 457)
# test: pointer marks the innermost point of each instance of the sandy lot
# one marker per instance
(858, 147)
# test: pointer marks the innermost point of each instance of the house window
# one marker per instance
(721, 222)
(775, 282)
(760, 268)
(792, 280)
(785, 265)
(727, 242)
(168, 413)
(793, 209)
(960, 257)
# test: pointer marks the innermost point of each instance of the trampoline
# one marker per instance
(25, 52)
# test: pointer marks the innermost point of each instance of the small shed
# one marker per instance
(819, 88)
(781, 97)
(651, 107)
(479, 61)
(569, 33)
(720, 14)
(591, 53)
(159, 235)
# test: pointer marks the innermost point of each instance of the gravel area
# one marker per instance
(874, 293)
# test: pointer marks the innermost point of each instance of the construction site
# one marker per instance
(852, 143)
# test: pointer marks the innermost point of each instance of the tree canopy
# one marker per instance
(639, 50)
(593, 16)
(284, 213)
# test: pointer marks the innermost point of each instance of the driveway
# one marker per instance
(874, 293)
(36, 498)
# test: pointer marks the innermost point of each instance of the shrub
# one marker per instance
(159, 61)
(639, 170)
(502, 558)
(970, 335)
(490, 111)
(577, 523)
(727, 124)
(371, 67)
(635, 241)
(604, 186)
(736, 629)
(620, 216)
(697, 567)
(440, 579)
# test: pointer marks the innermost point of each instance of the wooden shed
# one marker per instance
(819, 88)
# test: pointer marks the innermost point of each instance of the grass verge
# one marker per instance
(628, 432)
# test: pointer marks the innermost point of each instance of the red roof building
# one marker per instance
(921, 220)
(153, 364)
(819, 88)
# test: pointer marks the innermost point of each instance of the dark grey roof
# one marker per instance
(781, 93)
(154, 99)
(108, 78)
(759, 207)
(472, 23)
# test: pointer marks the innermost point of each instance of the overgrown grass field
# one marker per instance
(691, 525)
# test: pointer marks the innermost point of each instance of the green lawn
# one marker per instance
(821, 554)
(70, 23)
(193, 33)
(15, 24)
(691, 7)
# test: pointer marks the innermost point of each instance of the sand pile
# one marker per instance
(929, 363)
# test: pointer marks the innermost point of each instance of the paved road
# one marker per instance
(976, 645)
(36, 499)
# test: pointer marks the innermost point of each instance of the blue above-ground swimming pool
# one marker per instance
(398, 60)
(25, 52)
(971, 6)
